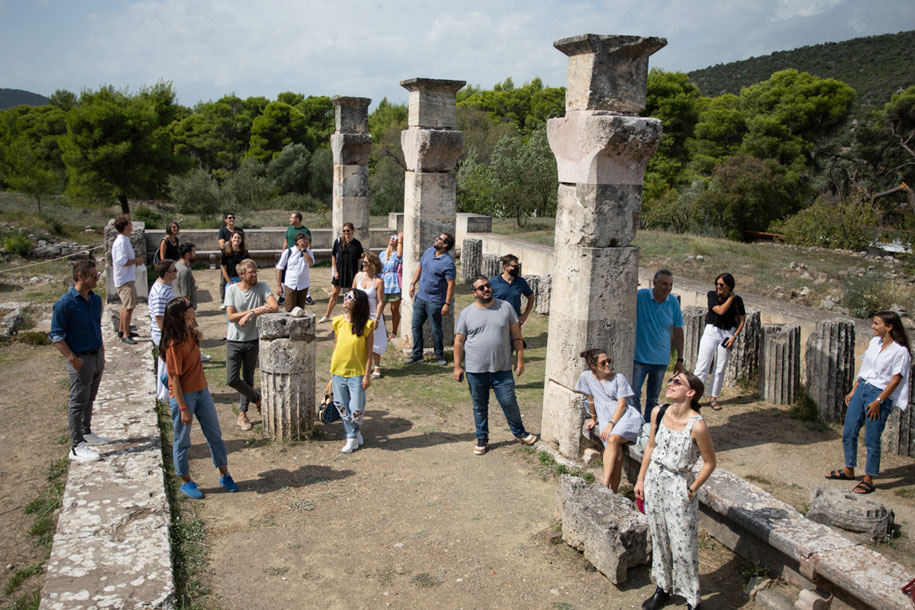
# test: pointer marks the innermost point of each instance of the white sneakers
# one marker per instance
(82, 453)
(351, 445)
(323, 320)
(359, 438)
(95, 439)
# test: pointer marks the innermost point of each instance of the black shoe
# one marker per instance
(128, 341)
(696, 607)
(413, 359)
(658, 600)
(309, 301)
(281, 301)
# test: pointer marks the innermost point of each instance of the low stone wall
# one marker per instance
(111, 548)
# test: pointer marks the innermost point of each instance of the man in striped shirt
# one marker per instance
(159, 295)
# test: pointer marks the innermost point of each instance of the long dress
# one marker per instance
(380, 339)
(673, 518)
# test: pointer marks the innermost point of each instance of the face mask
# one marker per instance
(514, 272)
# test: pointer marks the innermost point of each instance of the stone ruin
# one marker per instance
(287, 364)
(602, 148)
(351, 145)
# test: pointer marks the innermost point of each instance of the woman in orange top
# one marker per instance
(187, 387)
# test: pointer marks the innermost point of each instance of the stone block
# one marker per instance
(812, 600)
(431, 150)
(603, 148)
(491, 265)
(830, 366)
(395, 222)
(350, 200)
(544, 293)
(592, 304)
(850, 511)
(693, 327)
(743, 363)
(780, 363)
(608, 72)
(899, 434)
(287, 364)
(562, 418)
(597, 216)
(351, 148)
(351, 114)
(295, 328)
(432, 102)
(471, 259)
(612, 534)
(770, 599)
(472, 223)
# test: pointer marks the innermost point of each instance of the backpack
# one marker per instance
(645, 434)
(156, 258)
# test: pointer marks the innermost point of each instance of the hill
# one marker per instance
(874, 66)
(10, 98)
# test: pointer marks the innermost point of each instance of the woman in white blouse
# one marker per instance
(882, 381)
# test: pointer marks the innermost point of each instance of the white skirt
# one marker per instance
(380, 340)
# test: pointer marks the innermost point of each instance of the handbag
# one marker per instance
(327, 410)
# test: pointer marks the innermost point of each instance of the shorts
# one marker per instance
(392, 297)
(127, 292)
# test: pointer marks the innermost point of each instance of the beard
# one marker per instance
(486, 300)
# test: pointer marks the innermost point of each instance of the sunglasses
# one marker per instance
(349, 297)
(95, 275)
(674, 381)
(483, 287)
(720, 284)
(603, 363)
(347, 230)
(230, 218)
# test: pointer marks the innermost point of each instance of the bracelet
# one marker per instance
(182, 408)
(679, 359)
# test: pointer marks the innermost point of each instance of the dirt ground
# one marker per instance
(413, 519)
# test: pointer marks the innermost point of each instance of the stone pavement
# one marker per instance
(111, 549)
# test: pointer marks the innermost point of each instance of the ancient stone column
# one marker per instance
(287, 363)
(693, 327)
(899, 434)
(491, 265)
(602, 147)
(431, 147)
(830, 366)
(743, 363)
(351, 145)
(471, 258)
(780, 363)
(544, 292)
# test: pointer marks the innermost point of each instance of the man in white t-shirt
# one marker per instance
(295, 261)
(124, 265)
(245, 301)
(159, 295)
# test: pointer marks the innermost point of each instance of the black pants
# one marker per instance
(241, 360)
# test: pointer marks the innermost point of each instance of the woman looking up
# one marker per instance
(391, 270)
(345, 257)
(189, 395)
(723, 322)
(618, 423)
(882, 381)
(369, 282)
(667, 486)
(350, 364)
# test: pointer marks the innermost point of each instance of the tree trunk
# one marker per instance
(125, 207)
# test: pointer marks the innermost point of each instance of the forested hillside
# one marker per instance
(15, 97)
(876, 67)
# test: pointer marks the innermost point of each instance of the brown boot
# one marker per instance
(243, 422)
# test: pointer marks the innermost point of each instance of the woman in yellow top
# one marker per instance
(351, 366)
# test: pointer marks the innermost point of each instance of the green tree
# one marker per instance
(280, 124)
(321, 174)
(118, 145)
(523, 177)
(289, 171)
(247, 188)
(528, 106)
(673, 98)
(195, 192)
(386, 163)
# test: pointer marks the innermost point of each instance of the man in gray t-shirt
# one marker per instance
(483, 338)
(245, 301)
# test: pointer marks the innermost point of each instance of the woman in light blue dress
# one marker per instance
(613, 412)
(391, 270)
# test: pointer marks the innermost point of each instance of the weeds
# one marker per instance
(20, 575)
(549, 463)
(804, 409)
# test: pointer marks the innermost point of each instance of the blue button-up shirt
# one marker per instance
(433, 282)
(77, 321)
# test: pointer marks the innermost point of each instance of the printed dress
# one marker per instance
(673, 518)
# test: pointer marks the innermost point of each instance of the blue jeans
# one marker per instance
(855, 417)
(503, 385)
(200, 404)
(349, 398)
(422, 311)
(655, 374)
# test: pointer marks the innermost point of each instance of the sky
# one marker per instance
(210, 48)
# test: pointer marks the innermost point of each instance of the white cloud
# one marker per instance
(792, 9)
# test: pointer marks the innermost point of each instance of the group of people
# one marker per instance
(488, 352)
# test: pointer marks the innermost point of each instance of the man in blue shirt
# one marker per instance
(510, 286)
(657, 316)
(76, 332)
(435, 276)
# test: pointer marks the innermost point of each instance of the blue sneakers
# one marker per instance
(190, 490)
(229, 483)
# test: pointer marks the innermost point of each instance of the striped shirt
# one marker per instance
(159, 296)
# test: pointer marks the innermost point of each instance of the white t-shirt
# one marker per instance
(296, 266)
(878, 368)
(121, 252)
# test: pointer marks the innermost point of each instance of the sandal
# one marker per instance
(864, 488)
(714, 404)
(839, 475)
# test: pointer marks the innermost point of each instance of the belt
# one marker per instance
(88, 352)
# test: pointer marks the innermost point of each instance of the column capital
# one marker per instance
(351, 114)
(608, 72)
(432, 102)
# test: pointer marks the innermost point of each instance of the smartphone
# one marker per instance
(461, 377)
(724, 343)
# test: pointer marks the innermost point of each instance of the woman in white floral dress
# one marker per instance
(668, 486)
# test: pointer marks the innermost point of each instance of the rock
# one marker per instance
(297, 312)
(804, 291)
(11, 322)
(793, 265)
(902, 311)
(806, 276)
(850, 511)
(607, 527)
(699, 258)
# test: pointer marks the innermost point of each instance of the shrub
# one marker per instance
(247, 188)
(146, 214)
(195, 193)
(850, 224)
(18, 244)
